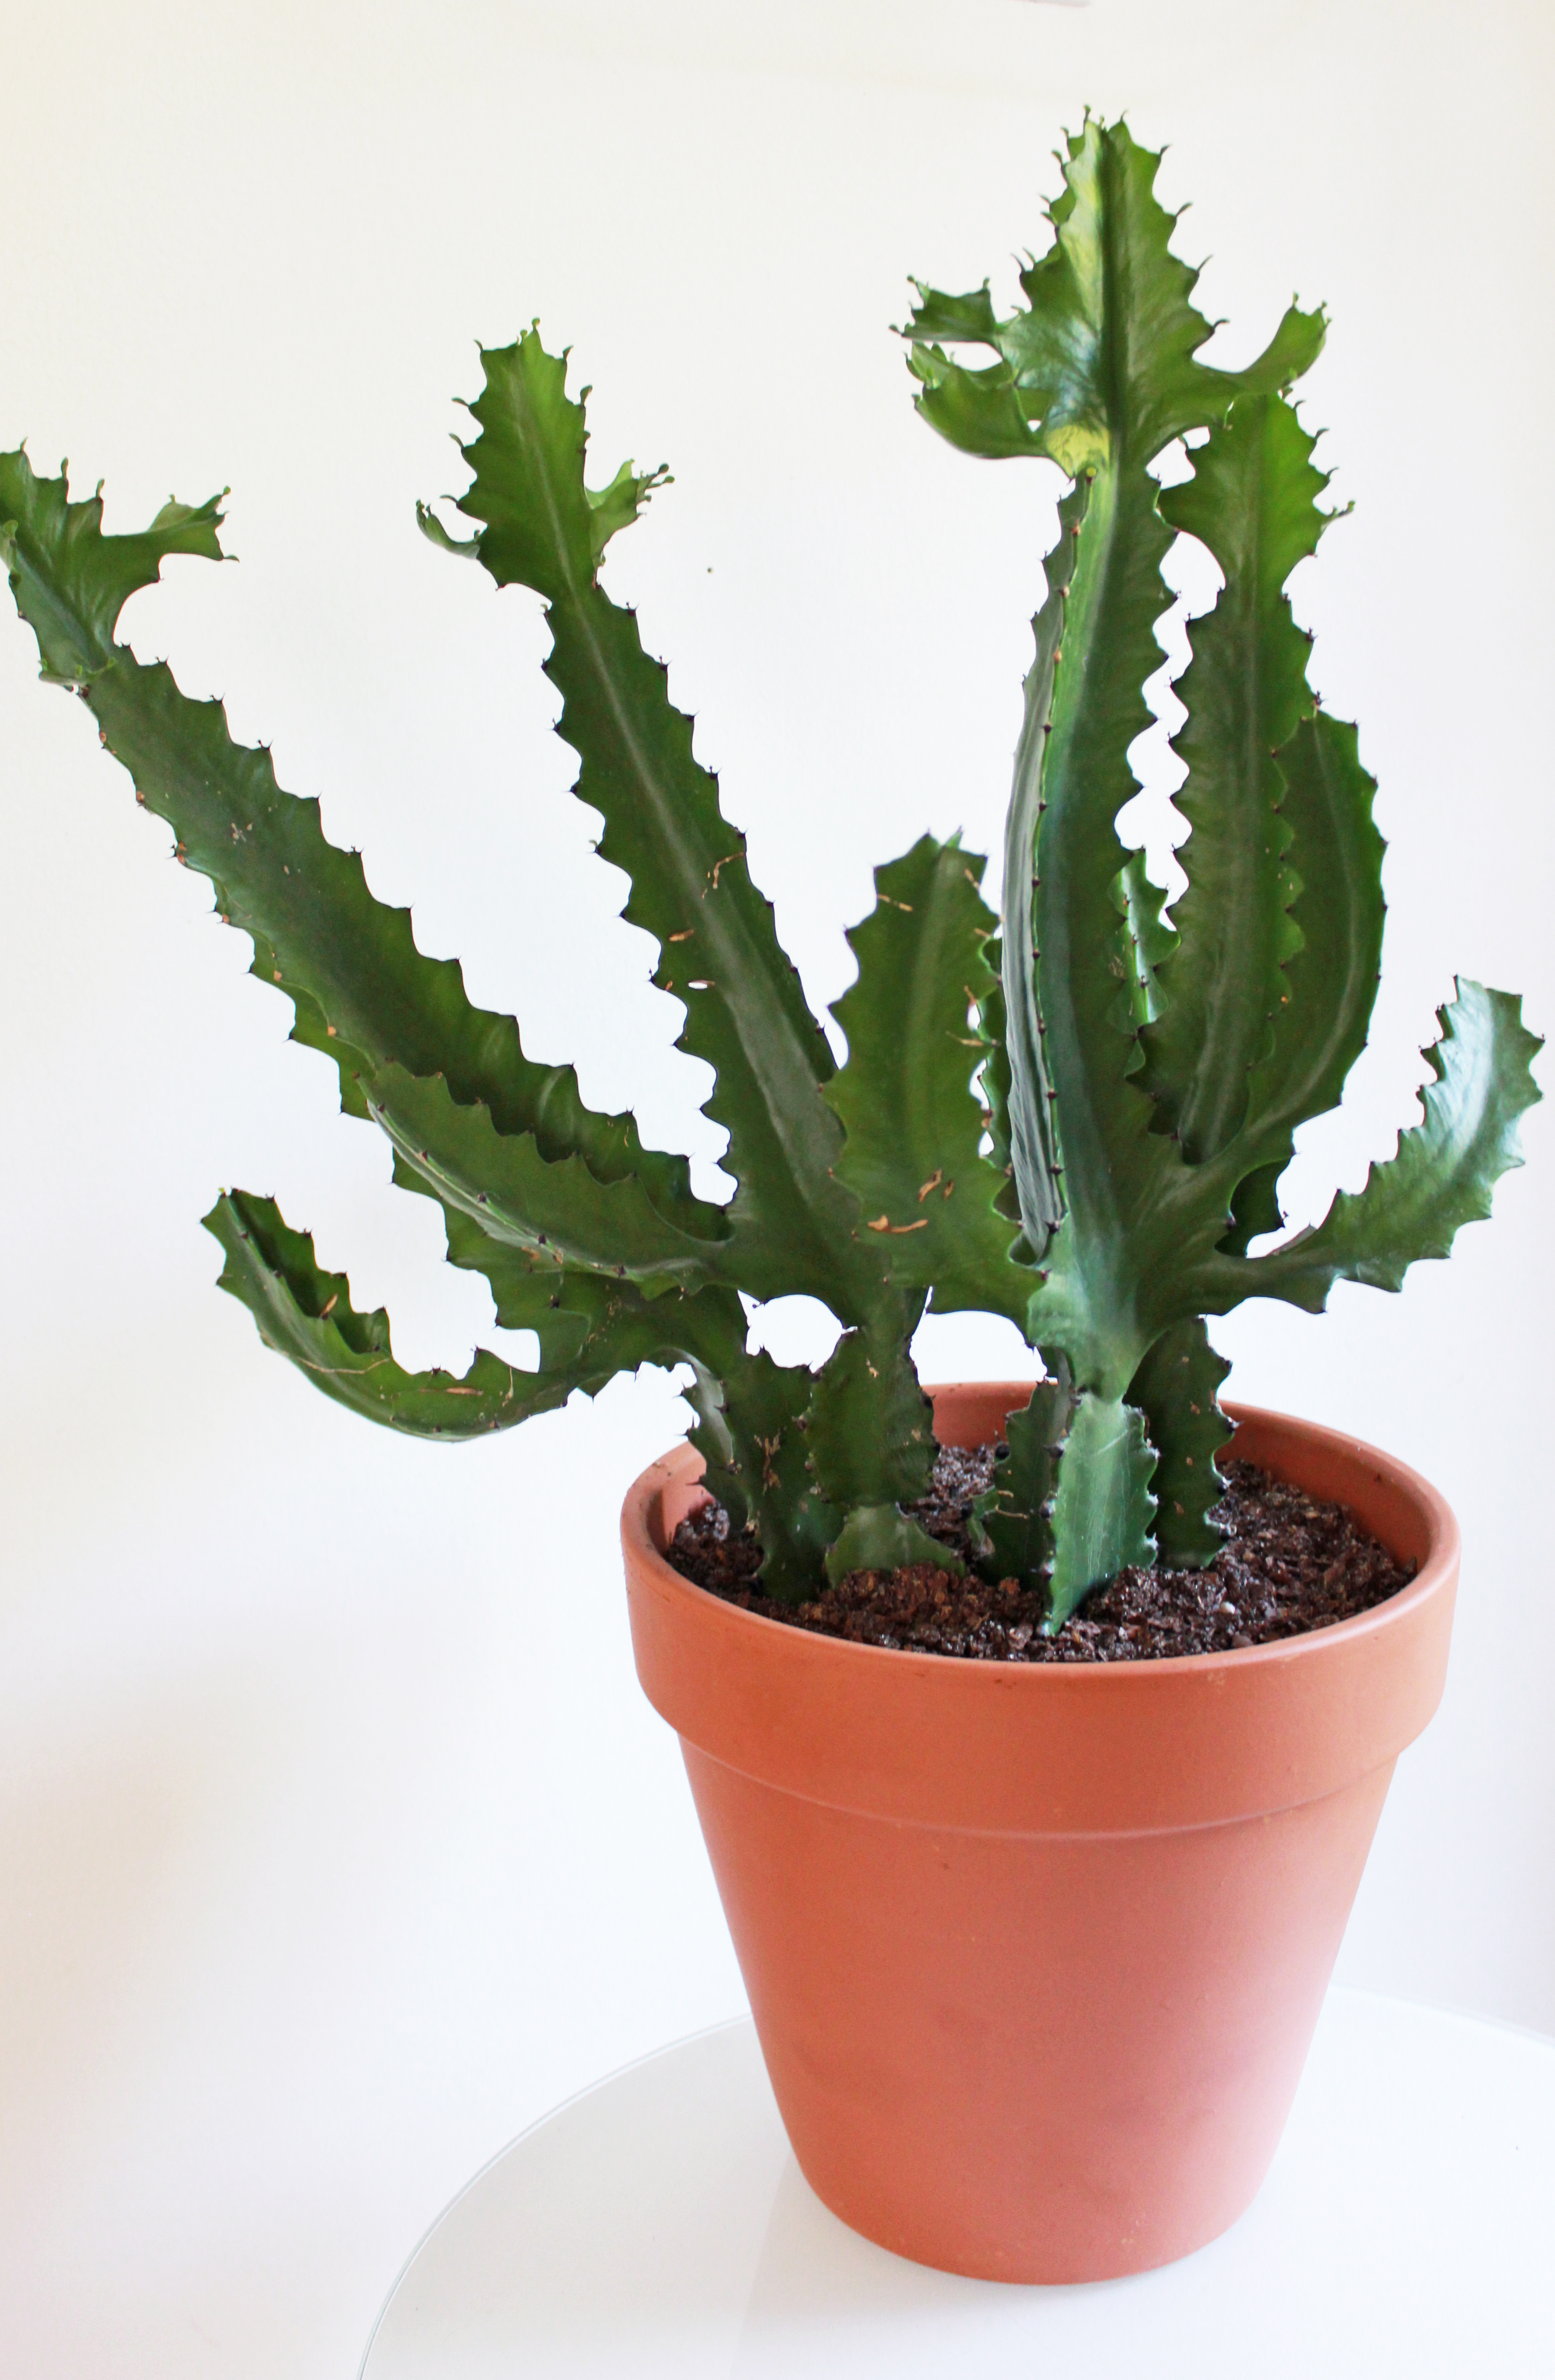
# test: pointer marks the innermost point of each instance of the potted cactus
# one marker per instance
(1035, 1948)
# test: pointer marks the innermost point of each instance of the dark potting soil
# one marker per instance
(1289, 1565)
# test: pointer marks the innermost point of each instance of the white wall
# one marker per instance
(334, 1840)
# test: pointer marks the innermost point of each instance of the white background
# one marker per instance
(336, 1842)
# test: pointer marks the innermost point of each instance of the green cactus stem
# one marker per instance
(1158, 1071)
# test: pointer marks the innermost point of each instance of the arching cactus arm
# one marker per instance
(927, 1197)
(361, 991)
(745, 1014)
(1328, 983)
(1252, 1029)
(1266, 1000)
(306, 1314)
(1442, 1177)
(588, 1329)
(1252, 501)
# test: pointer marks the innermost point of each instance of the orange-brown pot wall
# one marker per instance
(1035, 1953)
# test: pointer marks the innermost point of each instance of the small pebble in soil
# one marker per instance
(1289, 1565)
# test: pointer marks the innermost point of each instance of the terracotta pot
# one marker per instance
(1035, 1953)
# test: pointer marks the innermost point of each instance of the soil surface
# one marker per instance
(1289, 1565)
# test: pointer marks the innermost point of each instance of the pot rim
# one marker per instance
(1056, 1747)
(1438, 1562)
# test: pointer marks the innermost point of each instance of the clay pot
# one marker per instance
(1035, 1953)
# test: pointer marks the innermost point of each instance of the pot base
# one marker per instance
(1064, 2038)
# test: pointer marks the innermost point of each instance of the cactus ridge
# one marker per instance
(1075, 1114)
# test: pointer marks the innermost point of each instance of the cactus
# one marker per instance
(1074, 1116)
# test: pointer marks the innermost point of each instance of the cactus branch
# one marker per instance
(1328, 982)
(306, 1314)
(911, 1157)
(1415, 1204)
(1253, 502)
(663, 826)
(1176, 1389)
(362, 992)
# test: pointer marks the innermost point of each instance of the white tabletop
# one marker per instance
(658, 2225)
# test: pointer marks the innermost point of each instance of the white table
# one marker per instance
(658, 2225)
